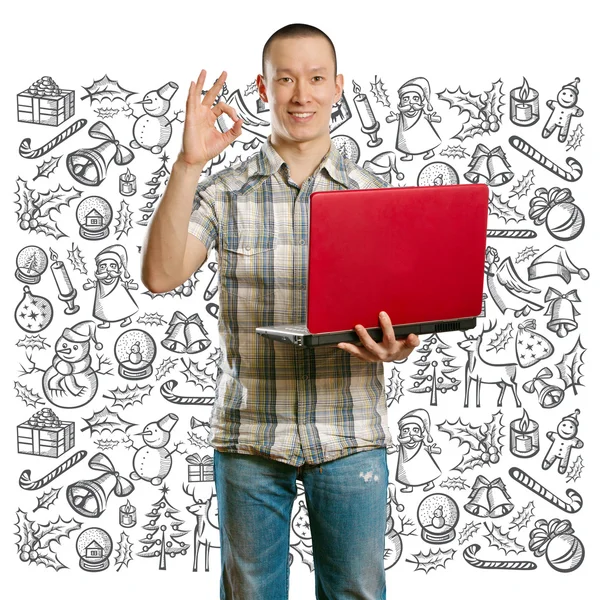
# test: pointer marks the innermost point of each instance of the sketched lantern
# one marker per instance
(135, 350)
(32, 261)
(438, 516)
(94, 215)
(94, 547)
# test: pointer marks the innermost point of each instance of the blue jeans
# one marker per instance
(346, 502)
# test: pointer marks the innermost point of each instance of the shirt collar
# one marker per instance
(269, 162)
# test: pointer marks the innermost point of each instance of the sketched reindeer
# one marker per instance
(206, 531)
(484, 372)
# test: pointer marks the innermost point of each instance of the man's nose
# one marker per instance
(301, 92)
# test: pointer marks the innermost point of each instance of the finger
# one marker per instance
(389, 337)
(210, 96)
(200, 84)
(353, 350)
(222, 107)
(367, 341)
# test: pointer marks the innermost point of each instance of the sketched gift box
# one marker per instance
(200, 469)
(45, 103)
(45, 437)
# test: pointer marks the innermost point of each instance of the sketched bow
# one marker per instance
(489, 166)
(489, 498)
(101, 462)
(186, 334)
(545, 531)
(102, 131)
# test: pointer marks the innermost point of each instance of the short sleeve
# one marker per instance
(204, 223)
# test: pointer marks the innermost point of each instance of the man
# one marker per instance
(281, 413)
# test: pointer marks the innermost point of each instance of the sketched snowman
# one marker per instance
(153, 461)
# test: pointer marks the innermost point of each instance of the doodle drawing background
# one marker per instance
(107, 486)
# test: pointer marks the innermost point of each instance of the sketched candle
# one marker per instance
(66, 291)
(127, 515)
(524, 105)
(524, 436)
(127, 183)
(363, 106)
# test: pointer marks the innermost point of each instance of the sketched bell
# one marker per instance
(478, 173)
(89, 497)
(89, 165)
(562, 311)
(499, 173)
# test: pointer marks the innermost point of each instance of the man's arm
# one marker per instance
(170, 254)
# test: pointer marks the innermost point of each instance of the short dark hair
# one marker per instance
(297, 30)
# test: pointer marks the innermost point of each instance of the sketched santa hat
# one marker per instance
(114, 252)
(418, 417)
(82, 332)
(572, 86)
(420, 85)
(572, 417)
(555, 262)
(383, 164)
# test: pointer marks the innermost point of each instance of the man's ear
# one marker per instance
(339, 87)
(262, 88)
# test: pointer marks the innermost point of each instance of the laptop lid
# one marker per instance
(415, 252)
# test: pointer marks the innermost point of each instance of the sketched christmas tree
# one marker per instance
(163, 529)
(434, 369)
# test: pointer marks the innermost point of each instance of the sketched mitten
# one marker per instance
(531, 347)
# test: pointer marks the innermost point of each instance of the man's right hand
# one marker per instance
(202, 141)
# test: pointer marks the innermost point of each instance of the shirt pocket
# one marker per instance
(248, 263)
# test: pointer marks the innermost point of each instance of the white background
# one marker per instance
(450, 43)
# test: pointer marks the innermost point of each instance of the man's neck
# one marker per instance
(302, 158)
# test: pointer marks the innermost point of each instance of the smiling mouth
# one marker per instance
(301, 116)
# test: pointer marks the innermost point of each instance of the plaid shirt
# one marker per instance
(290, 404)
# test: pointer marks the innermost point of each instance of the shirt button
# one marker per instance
(302, 242)
(307, 377)
(303, 286)
(247, 248)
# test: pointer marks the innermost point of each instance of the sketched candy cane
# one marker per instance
(469, 555)
(25, 147)
(27, 484)
(528, 150)
(531, 484)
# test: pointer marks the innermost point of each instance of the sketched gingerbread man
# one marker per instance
(563, 110)
(563, 441)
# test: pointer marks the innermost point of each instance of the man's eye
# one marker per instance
(283, 78)
(318, 77)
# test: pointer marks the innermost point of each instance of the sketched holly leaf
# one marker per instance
(523, 185)
(575, 139)
(76, 259)
(503, 210)
(502, 338)
(464, 101)
(501, 540)
(106, 420)
(35, 341)
(123, 551)
(465, 433)
(106, 444)
(47, 167)
(523, 516)
(47, 499)
(468, 531)
(197, 376)
(454, 152)
(575, 470)
(494, 100)
(454, 483)
(53, 531)
(128, 395)
(123, 225)
(570, 365)
(165, 367)
(431, 560)
(106, 88)
(151, 319)
(55, 199)
(527, 252)
(199, 440)
(379, 92)
(27, 395)
(493, 432)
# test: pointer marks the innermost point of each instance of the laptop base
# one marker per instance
(299, 336)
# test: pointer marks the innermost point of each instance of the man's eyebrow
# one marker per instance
(285, 70)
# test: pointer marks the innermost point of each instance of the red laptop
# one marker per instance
(415, 252)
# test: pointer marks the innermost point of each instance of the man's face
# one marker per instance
(300, 88)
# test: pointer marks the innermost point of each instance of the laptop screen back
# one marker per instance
(415, 252)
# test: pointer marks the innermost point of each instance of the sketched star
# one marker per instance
(164, 489)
